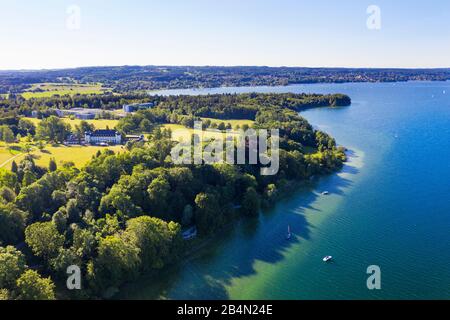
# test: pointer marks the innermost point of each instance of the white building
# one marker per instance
(103, 137)
(137, 106)
(79, 113)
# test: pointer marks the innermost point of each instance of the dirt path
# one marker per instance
(10, 159)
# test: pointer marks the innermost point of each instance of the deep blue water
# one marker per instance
(390, 206)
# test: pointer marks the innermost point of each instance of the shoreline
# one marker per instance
(303, 188)
(166, 92)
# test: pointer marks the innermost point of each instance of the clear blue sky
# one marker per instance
(413, 33)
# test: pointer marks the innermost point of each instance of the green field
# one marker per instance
(233, 122)
(7, 155)
(182, 133)
(79, 155)
(99, 124)
(51, 89)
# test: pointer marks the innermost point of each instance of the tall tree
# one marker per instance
(251, 202)
(12, 223)
(52, 165)
(117, 261)
(156, 239)
(53, 129)
(31, 286)
(44, 239)
(12, 265)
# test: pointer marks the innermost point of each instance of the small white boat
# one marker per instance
(289, 234)
(327, 258)
(325, 193)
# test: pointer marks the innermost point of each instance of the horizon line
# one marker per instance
(218, 66)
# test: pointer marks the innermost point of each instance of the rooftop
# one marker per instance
(103, 133)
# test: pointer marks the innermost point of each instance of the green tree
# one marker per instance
(7, 194)
(157, 240)
(116, 262)
(14, 167)
(82, 128)
(53, 129)
(28, 178)
(8, 178)
(159, 192)
(251, 202)
(12, 223)
(208, 214)
(59, 219)
(31, 286)
(12, 265)
(4, 294)
(145, 126)
(83, 243)
(35, 197)
(6, 134)
(44, 239)
(52, 165)
(26, 127)
(221, 126)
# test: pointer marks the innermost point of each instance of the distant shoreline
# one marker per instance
(126, 79)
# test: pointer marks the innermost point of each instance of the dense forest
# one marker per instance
(122, 214)
(169, 109)
(186, 109)
(136, 78)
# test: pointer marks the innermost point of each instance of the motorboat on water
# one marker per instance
(289, 234)
(325, 193)
(327, 258)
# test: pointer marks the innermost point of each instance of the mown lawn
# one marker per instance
(51, 89)
(99, 124)
(182, 133)
(6, 155)
(79, 155)
(233, 122)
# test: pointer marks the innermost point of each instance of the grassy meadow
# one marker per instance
(99, 124)
(233, 123)
(79, 155)
(182, 133)
(51, 89)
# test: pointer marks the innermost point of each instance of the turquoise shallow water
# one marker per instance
(390, 206)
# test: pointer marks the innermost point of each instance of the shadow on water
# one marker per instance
(233, 253)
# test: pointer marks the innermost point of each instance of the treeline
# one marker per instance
(16, 105)
(186, 109)
(140, 78)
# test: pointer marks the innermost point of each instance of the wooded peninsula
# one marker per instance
(125, 213)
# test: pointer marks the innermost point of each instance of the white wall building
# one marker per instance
(103, 136)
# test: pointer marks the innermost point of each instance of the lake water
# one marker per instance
(389, 206)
